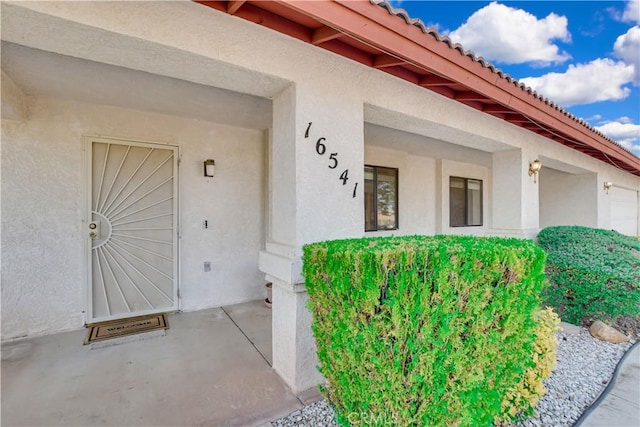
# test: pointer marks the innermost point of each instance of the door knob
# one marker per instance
(94, 227)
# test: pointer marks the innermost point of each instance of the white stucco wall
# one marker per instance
(249, 57)
(251, 54)
(312, 146)
(507, 191)
(307, 202)
(416, 190)
(229, 52)
(568, 199)
(423, 203)
(447, 169)
(43, 279)
(423, 191)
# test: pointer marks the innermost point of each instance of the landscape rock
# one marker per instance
(569, 329)
(605, 332)
(584, 369)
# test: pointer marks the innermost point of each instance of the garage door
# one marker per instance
(624, 211)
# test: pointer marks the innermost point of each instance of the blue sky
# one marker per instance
(583, 55)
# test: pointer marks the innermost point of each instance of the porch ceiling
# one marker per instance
(550, 163)
(380, 37)
(395, 139)
(433, 132)
(48, 74)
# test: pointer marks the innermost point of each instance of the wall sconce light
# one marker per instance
(209, 168)
(534, 168)
(607, 186)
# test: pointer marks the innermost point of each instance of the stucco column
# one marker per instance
(603, 203)
(316, 169)
(515, 195)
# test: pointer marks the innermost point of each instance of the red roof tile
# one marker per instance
(375, 34)
(401, 13)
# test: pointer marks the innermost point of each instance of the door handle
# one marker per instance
(94, 226)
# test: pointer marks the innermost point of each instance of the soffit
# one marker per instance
(75, 78)
(378, 36)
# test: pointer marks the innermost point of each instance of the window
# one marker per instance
(380, 198)
(465, 202)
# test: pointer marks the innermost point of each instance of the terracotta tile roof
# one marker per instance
(376, 35)
(433, 32)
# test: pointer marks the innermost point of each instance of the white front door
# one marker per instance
(132, 228)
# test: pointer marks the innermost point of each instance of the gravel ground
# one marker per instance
(585, 366)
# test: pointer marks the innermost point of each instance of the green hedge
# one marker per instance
(423, 330)
(594, 273)
(524, 397)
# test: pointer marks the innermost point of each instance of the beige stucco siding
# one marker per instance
(43, 276)
(426, 136)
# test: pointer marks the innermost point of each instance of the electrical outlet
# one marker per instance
(207, 266)
(205, 224)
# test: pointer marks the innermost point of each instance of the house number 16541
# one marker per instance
(321, 149)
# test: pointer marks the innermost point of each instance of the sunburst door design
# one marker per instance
(132, 229)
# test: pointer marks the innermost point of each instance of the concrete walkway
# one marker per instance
(212, 368)
(620, 405)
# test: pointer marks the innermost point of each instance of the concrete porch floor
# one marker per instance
(211, 368)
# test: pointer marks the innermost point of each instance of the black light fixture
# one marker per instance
(209, 168)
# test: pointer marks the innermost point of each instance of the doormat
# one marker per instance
(118, 328)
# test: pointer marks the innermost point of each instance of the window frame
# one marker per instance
(375, 199)
(466, 202)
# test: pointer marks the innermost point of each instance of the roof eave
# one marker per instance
(412, 44)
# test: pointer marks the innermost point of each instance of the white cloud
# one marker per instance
(598, 80)
(513, 36)
(627, 48)
(623, 131)
(632, 11)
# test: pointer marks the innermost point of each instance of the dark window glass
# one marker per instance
(474, 202)
(369, 199)
(380, 198)
(465, 202)
(456, 202)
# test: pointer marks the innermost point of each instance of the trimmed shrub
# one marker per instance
(521, 400)
(594, 273)
(423, 330)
